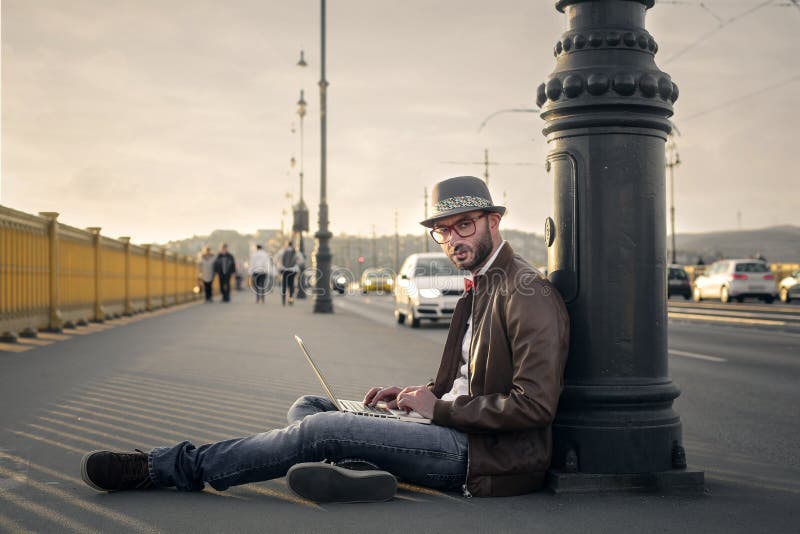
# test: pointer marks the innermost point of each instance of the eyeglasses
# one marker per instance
(464, 228)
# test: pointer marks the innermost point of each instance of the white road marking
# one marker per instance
(719, 319)
(697, 356)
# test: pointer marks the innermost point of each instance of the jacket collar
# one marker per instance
(498, 268)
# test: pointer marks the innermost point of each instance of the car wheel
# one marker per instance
(696, 296)
(769, 299)
(785, 295)
(724, 295)
(739, 299)
(413, 320)
(687, 296)
(401, 317)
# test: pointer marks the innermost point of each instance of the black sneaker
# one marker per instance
(324, 482)
(115, 471)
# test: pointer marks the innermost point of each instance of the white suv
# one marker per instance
(736, 279)
(428, 287)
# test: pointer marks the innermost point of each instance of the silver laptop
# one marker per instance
(357, 407)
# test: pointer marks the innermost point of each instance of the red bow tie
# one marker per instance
(469, 285)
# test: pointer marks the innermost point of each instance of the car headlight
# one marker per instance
(341, 280)
(429, 292)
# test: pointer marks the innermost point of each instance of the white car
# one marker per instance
(428, 287)
(789, 287)
(736, 279)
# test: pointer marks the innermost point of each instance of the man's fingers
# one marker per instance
(385, 394)
(371, 394)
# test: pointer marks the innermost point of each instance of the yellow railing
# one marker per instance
(54, 276)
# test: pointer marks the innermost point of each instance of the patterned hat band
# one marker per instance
(465, 201)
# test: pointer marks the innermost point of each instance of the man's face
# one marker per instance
(468, 252)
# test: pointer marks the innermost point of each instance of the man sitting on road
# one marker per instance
(492, 402)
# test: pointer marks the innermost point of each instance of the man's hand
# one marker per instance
(379, 394)
(417, 398)
(387, 395)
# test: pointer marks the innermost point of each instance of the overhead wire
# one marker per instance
(739, 98)
(722, 25)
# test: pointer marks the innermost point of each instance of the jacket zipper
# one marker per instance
(464, 489)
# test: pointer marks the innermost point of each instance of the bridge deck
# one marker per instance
(209, 372)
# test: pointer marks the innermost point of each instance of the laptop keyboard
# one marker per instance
(359, 407)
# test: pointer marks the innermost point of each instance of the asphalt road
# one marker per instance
(208, 372)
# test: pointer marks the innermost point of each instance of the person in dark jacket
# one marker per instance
(491, 405)
(225, 267)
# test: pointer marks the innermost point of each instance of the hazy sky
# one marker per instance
(164, 119)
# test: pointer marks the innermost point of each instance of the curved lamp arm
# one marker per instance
(512, 110)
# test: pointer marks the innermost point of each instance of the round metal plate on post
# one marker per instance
(549, 232)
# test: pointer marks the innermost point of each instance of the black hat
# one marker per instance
(460, 195)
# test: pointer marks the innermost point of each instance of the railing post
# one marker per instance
(179, 265)
(56, 324)
(163, 278)
(99, 314)
(127, 307)
(148, 289)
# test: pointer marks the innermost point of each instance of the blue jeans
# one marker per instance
(427, 455)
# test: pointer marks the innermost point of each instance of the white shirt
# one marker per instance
(260, 262)
(461, 383)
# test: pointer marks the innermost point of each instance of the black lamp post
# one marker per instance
(673, 160)
(607, 109)
(322, 257)
(301, 210)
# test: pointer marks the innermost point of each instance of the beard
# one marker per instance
(475, 255)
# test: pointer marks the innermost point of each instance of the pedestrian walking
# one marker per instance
(288, 261)
(490, 407)
(206, 274)
(260, 269)
(225, 267)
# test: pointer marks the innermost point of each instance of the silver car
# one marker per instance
(428, 287)
(736, 279)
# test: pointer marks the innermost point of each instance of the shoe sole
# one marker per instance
(85, 474)
(321, 482)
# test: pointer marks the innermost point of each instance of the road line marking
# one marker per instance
(46, 513)
(11, 526)
(697, 356)
(14, 347)
(54, 336)
(50, 442)
(718, 319)
(34, 342)
(428, 491)
(129, 522)
(277, 494)
(714, 474)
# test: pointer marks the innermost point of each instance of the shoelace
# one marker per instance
(134, 467)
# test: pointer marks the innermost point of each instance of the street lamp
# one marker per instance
(322, 296)
(301, 210)
(673, 160)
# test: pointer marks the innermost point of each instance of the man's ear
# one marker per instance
(494, 219)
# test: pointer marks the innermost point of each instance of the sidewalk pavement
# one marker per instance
(220, 370)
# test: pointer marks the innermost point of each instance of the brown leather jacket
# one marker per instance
(519, 345)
